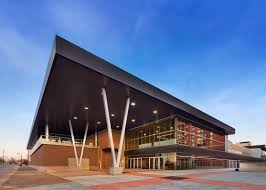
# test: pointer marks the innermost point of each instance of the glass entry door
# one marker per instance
(152, 163)
(156, 163)
(135, 163)
(184, 162)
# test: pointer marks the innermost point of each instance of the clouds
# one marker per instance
(242, 106)
(23, 61)
(20, 51)
(145, 16)
(91, 26)
(76, 18)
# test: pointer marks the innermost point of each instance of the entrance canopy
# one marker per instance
(72, 91)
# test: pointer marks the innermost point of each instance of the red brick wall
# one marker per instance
(57, 155)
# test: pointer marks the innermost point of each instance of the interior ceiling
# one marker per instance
(71, 87)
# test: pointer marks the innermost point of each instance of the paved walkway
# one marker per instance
(25, 177)
(30, 179)
(6, 171)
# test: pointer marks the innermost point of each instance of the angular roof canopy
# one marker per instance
(74, 79)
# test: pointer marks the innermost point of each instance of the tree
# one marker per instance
(2, 161)
(25, 162)
(12, 161)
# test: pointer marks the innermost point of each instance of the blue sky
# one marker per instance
(210, 54)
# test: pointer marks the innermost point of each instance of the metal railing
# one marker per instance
(66, 140)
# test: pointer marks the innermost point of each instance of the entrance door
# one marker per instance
(135, 163)
(156, 163)
(184, 162)
(152, 163)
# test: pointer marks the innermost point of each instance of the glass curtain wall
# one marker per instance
(173, 161)
(173, 130)
(190, 162)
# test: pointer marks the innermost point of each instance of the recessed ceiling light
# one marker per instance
(156, 131)
(117, 126)
(98, 122)
(112, 115)
(141, 131)
(133, 103)
(144, 134)
(155, 111)
(75, 117)
(133, 120)
(86, 108)
(171, 127)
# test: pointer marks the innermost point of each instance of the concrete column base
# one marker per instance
(116, 171)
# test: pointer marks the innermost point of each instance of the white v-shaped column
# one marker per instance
(78, 161)
(122, 136)
(83, 144)
(109, 128)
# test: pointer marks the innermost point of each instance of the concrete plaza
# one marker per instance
(28, 178)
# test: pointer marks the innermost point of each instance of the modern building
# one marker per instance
(239, 149)
(94, 115)
(259, 150)
(246, 148)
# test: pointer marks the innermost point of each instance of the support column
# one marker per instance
(73, 142)
(95, 136)
(46, 132)
(107, 116)
(83, 144)
(226, 143)
(122, 136)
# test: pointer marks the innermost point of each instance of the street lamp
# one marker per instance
(20, 158)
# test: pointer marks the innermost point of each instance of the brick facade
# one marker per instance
(100, 157)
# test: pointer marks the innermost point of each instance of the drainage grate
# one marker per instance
(26, 168)
(175, 178)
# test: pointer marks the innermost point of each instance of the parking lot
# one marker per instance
(13, 177)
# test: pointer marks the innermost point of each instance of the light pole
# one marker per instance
(20, 158)
(4, 155)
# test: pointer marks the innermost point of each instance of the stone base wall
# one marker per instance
(253, 167)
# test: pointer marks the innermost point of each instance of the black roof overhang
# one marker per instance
(74, 79)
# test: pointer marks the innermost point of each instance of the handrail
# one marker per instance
(64, 140)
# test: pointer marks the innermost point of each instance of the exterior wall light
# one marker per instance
(112, 115)
(75, 117)
(98, 122)
(133, 120)
(86, 108)
(133, 104)
(155, 111)
(117, 126)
